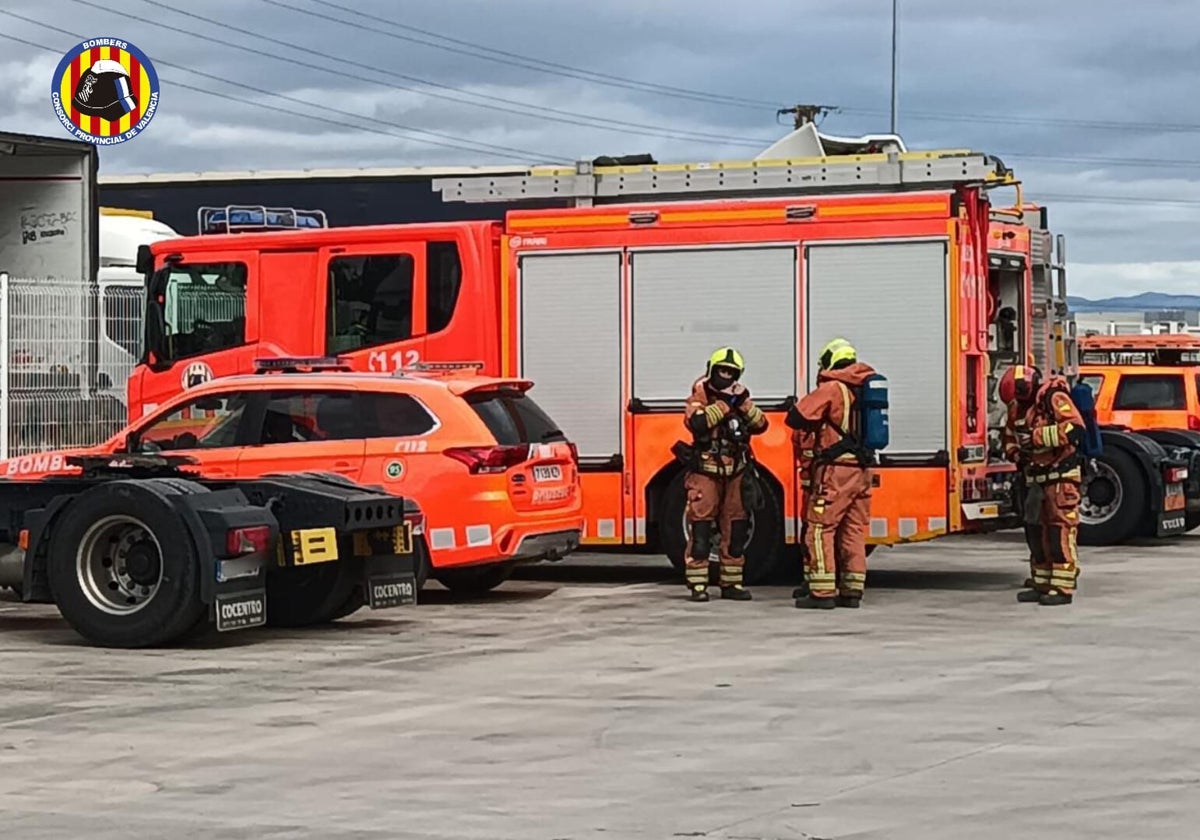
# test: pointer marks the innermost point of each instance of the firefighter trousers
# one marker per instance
(1052, 543)
(715, 503)
(837, 514)
(1034, 493)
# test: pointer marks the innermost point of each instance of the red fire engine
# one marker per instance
(612, 305)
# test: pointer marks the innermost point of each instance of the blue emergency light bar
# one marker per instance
(236, 218)
(301, 364)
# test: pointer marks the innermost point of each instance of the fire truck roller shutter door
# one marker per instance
(688, 301)
(889, 301)
(571, 344)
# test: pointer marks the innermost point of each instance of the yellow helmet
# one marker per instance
(836, 351)
(726, 357)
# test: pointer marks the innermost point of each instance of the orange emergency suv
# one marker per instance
(612, 302)
(495, 479)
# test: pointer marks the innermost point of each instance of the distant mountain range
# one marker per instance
(1134, 303)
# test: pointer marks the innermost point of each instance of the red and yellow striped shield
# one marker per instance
(105, 91)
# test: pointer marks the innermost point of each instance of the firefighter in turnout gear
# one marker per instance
(835, 478)
(1044, 437)
(722, 418)
(1016, 441)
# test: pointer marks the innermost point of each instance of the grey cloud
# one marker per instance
(1041, 62)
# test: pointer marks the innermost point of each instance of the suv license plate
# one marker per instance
(550, 473)
(241, 609)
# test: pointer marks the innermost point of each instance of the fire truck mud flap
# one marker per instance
(1185, 446)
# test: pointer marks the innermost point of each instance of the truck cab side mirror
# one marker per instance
(145, 261)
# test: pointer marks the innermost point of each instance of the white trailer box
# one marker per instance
(50, 392)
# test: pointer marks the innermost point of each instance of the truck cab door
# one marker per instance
(201, 323)
(375, 304)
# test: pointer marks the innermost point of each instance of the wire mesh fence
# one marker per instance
(66, 351)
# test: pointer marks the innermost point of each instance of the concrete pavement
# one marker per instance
(595, 702)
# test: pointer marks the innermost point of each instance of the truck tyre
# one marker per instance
(121, 567)
(763, 551)
(473, 580)
(1113, 500)
(300, 596)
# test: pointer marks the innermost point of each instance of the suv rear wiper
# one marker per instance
(553, 433)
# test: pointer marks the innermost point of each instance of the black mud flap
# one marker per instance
(1171, 523)
(391, 581)
(240, 610)
(390, 571)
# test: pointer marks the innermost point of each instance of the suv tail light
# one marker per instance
(1194, 422)
(417, 520)
(240, 541)
(574, 453)
(489, 459)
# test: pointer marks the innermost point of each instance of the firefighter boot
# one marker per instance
(1054, 598)
(696, 568)
(1029, 596)
(800, 591)
(808, 602)
(731, 583)
(849, 601)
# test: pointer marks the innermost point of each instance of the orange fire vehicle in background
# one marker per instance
(612, 305)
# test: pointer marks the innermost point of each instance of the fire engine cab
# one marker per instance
(612, 304)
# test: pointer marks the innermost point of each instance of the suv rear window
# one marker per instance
(514, 418)
(1150, 392)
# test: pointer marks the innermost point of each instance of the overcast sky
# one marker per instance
(1092, 102)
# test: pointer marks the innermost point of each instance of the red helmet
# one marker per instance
(1020, 383)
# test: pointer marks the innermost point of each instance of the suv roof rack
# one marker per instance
(438, 368)
(245, 218)
(300, 364)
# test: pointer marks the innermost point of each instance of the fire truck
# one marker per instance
(612, 304)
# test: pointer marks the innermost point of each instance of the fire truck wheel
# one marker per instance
(1111, 509)
(473, 580)
(300, 596)
(763, 551)
(120, 573)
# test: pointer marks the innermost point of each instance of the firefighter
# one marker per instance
(1017, 448)
(803, 441)
(722, 418)
(1047, 447)
(836, 479)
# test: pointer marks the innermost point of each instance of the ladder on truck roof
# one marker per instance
(586, 183)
